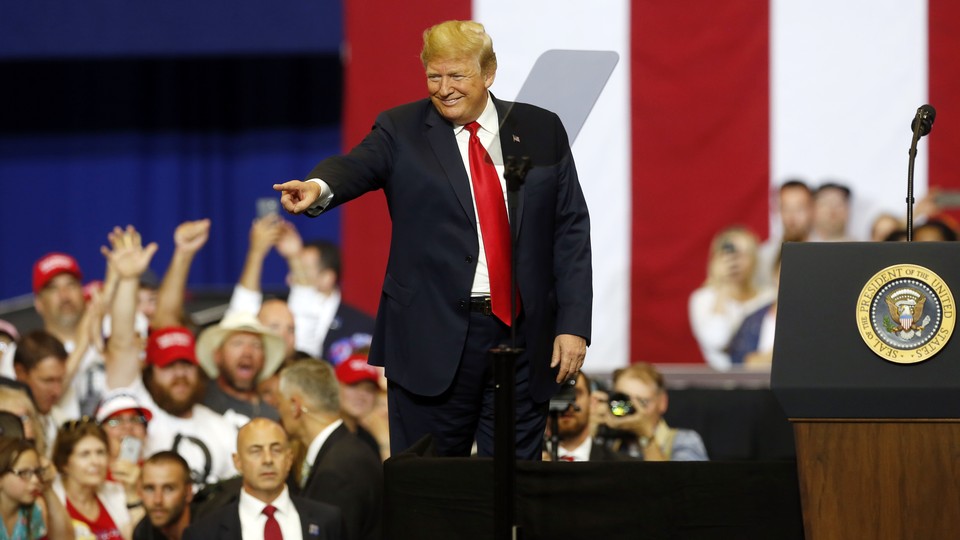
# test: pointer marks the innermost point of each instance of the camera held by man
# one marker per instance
(569, 433)
(629, 419)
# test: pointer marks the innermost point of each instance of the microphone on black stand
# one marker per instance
(504, 374)
(921, 126)
(515, 173)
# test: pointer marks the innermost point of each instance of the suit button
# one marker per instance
(468, 258)
(462, 303)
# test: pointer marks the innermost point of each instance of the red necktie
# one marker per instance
(494, 226)
(271, 531)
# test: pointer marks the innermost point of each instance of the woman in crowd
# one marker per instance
(718, 307)
(97, 506)
(752, 344)
(124, 420)
(29, 508)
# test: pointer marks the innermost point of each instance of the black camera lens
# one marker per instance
(620, 404)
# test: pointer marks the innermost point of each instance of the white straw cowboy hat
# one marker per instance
(240, 321)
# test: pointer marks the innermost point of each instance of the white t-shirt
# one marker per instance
(205, 440)
(83, 394)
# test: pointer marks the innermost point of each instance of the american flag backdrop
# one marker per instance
(711, 105)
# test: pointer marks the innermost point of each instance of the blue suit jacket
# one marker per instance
(318, 521)
(421, 325)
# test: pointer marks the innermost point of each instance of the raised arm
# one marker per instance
(247, 295)
(89, 333)
(290, 247)
(304, 300)
(188, 238)
(128, 259)
(263, 236)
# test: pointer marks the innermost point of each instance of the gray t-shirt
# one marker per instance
(236, 411)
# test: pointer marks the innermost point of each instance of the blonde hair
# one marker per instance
(459, 39)
(641, 371)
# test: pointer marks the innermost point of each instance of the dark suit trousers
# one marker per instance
(465, 411)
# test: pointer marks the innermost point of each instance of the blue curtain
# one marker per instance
(117, 114)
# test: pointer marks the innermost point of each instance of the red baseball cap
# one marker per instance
(52, 265)
(167, 345)
(356, 369)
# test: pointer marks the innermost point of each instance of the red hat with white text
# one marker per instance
(167, 345)
(52, 265)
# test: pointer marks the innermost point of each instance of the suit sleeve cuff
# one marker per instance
(323, 201)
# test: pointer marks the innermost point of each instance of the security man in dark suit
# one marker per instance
(265, 508)
(446, 294)
(338, 468)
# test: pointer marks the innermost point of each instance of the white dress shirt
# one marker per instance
(253, 520)
(580, 453)
(313, 314)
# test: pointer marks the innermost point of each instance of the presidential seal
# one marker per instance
(905, 313)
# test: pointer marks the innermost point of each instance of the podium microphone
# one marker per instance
(921, 125)
(924, 119)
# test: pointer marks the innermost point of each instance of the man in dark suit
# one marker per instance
(338, 468)
(265, 506)
(446, 301)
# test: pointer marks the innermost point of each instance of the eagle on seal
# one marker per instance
(906, 313)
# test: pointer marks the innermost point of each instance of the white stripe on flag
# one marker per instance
(521, 32)
(846, 80)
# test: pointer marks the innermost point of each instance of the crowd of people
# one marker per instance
(130, 415)
(732, 316)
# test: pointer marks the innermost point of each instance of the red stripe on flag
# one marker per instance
(700, 116)
(944, 139)
(382, 69)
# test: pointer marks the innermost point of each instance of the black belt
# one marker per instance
(481, 304)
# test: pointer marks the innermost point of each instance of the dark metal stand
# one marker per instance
(504, 443)
(504, 373)
(921, 125)
(910, 199)
(554, 436)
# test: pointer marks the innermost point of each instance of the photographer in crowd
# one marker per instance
(631, 418)
(574, 429)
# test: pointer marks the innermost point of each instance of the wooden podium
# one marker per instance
(876, 419)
